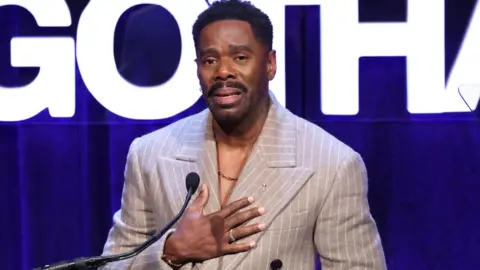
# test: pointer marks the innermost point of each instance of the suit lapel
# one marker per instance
(173, 172)
(271, 174)
(208, 165)
(199, 149)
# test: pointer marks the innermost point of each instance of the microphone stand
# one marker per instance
(95, 262)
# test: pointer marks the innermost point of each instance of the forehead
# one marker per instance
(227, 32)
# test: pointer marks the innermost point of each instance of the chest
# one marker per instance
(230, 165)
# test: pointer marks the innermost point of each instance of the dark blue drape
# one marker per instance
(62, 179)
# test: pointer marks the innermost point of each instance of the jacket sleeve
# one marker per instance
(346, 235)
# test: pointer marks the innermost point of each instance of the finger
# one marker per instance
(242, 232)
(235, 206)
(242, 217)
(202, 198)
(238, 247)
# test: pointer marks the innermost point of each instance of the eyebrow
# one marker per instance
(208, 51)
(240, 48)
(232, 48)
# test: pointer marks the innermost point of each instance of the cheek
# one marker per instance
(203, 78)
(255, 79)
(249, 75)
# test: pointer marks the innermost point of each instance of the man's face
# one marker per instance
(234, 69)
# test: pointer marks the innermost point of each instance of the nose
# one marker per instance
(225, 71)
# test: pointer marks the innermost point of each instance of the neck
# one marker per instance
(245, 133)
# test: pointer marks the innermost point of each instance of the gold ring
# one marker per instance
(230, 235)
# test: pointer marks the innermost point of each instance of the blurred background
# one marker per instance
(62, 178)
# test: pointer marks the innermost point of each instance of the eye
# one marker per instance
(241, 58)
(209, 61)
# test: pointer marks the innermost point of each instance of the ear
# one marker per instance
(272, 64)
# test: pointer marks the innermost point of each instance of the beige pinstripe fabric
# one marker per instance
(315, 195)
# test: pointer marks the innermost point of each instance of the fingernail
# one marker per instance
(261, 226)
(261, 210)
(252, 244)
(251, 199)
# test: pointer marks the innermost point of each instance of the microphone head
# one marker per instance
(192, 181)
(276, 264)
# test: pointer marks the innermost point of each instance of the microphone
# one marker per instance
(192, 181)
(276, 264)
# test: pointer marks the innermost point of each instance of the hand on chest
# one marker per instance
(243, 173)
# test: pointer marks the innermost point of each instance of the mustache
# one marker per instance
(229, 84)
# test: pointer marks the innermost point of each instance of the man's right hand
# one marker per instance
(201, 237)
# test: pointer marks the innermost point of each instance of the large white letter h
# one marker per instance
(344, 40)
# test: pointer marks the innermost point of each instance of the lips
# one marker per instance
(227, 97)
(225, 92)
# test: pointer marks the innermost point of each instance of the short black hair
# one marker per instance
(236, 10)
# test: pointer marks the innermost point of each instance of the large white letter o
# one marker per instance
(95, 57)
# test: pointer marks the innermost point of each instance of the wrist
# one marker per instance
(172, 252)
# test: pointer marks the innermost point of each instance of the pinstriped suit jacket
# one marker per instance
(315, 196)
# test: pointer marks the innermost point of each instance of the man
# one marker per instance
(274, 186)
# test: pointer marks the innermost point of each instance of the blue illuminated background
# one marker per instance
(62, 179)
